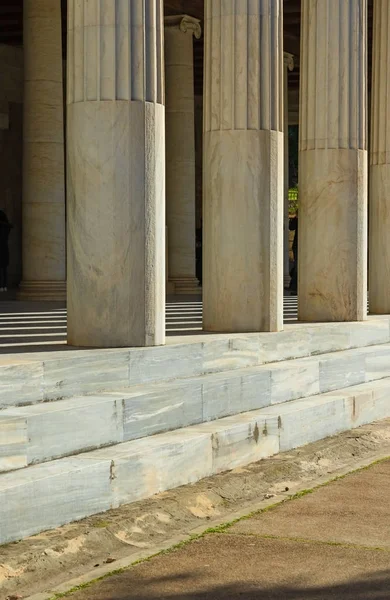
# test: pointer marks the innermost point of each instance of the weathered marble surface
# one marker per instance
(13, 443)
(333, 240)
(240, 440)
(116, 224)
(377, 362)
(304, 421)
(46, 496)
(243, 290)
(149, 466)
(163, 408)
(63, 427)
(221, 395)
(342, 370)
(168, 362)
(32, 377)
(20, 382)
(84, 373)
(293, 379)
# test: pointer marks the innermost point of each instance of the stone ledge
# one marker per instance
(31, 378)
(69, 489)
(50, 430)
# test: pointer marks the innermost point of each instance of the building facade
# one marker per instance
(131, 132)
(112, 185)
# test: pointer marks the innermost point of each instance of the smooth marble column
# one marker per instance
(43, 154)
(243, 166)
(379, 238)
(180, 151)
(332, 274)
(288, 66)
(116, 173)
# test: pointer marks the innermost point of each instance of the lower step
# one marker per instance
(45, 496)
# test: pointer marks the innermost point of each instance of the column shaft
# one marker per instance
(333, 162)
(180, 150)
(43, 153)
(243, 166)
(379, 238)
(116, 173)
(288, 66)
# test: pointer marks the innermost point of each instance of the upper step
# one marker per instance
(38, 377)
(50, 430)
(44, 496)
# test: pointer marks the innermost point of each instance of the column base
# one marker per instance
(184, 286)
(42, 291)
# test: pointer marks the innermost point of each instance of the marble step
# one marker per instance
(48, 495)
(38, 377)
(50, 430)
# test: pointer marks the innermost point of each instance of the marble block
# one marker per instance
(308, 420)
(240, 440)
(294, 379)
(369, 333)
(377, 362)
(255, 389)
(21, 382)
(56, 429)
(160, 408)
(84, 372)
(46, 496)
(229, 353)
(145, 467)
(13, 443)
(221, 395)
(168, 362)
(342, 370)
(367, 402)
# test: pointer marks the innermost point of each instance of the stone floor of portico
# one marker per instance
(42, 325)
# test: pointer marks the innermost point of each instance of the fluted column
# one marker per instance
(180, 151)
(116, 173)
(379, 238)
(243, 166)
(288, 66)
(43, 154)
(333, 162)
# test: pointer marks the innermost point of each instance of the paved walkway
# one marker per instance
(332, 543)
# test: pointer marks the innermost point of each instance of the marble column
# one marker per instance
(379, 238)
(43, 154)
(288, 66)
(243, 166)
(116, 173)
(332, 269)
(180, 151)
